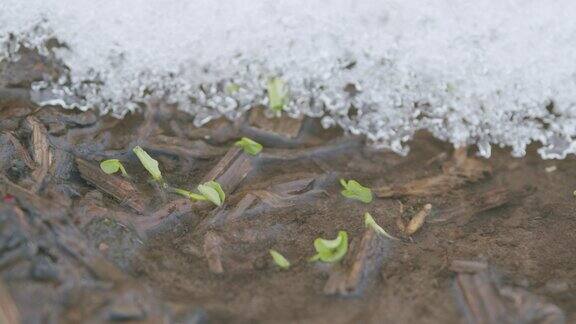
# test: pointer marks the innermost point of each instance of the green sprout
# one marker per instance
(331, 250)
(213, 192)
(354, 190)
(249, 146)
(189, 194)
(279, 259)
(369, 222)
(277, 94)
(149, 163)
(232, 88)
(210, 190)
(112, 166)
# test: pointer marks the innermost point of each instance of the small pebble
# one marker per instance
(551, 169)
(103, 247)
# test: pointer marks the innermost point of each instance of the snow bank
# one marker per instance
(471, 72)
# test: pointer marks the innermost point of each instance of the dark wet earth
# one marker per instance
(81, 246)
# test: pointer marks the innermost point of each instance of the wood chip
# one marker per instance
(231, 169)
(367, 261)
(418, 220)
(113, 185)
(29, 200)
(20, 150)
(279, 195)
(213, 252)
(484, 301)
(9, 313)
(474, 204)
(460, 170)
(40, 152)
(336, 146)
(183, 148)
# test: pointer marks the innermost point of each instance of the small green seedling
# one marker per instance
(279, 259)
(210, 190)
(277, 94)
(232, 88)
(331, 250)
(112, 166)
(369, 222)
(213, 192)
(149, 163)
(354, 190)
(189, 194)
(249, 146)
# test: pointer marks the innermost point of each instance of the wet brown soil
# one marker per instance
(81, 246)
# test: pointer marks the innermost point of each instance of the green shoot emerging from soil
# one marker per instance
(149, 163)
(369, 222)
(249, 146)
(213, 192)
(210, 190)
(277, 94)
(331, 250)
(354, 190)
(279, 259)
(189, 194)
(112, 166)
(232, 88)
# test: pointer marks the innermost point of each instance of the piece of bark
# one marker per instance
(334, 147)
(417, 221)
(115, 186)
(279, 195)
(169, 212)
(213, 252)
(183, 148)
(9, 313)
(29, 200)
(474, 204)
(367, 261)
(232, 168)
(460, 170)
(19, 150)
(484, 301)
(40, 152)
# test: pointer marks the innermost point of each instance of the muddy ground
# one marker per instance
(77, 245)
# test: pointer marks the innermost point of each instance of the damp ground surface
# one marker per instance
(77, 245)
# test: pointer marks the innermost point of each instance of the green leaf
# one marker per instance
(188, 194)
(279, 259)
(232, 88)
(112, 166)
(212, 191)
(354, 190)
(249, 146)
(331, 250)
(277, 94)
(149, 163)
(371, 223)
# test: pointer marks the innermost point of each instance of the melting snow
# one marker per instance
(472, 72)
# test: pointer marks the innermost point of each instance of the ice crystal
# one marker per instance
(471, 72)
